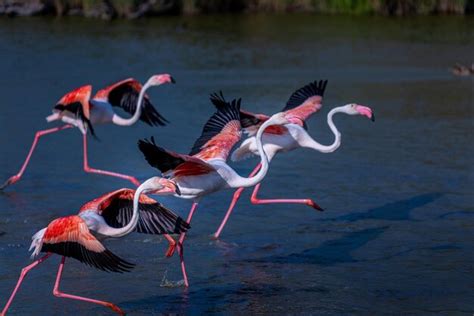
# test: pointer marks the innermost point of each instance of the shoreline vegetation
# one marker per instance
(133, 9)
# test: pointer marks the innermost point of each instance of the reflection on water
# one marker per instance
(396, 237)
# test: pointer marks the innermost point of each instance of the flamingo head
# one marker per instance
(157, 80)
(161, 186)
(357, 109)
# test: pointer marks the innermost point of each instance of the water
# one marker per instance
(397, 234)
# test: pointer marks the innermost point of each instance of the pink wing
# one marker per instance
(70, 237)
(77, 97)
(102, 202)
(305, 101)
(77, 103)
(221, 132)
(132, 83)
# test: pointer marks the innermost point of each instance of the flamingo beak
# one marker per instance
(172, 187)
(366, 111)
(172, 80)
(177, 190)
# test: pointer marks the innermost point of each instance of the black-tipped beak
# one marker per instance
(172, 80)
(315, 206)
(178, 191)
(373, 117)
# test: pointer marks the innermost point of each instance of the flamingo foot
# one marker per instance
(116, 309)
(11, 180)
(314, 205)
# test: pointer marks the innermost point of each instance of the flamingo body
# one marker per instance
(99, 217)
(113, 214)
(273, 143)
(303, 103)
(78, 109)
(205, 170)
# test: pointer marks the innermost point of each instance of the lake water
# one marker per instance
(397, 236)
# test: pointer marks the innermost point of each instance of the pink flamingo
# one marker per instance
(302, 104)
(205, 170)
(114, 214)
(77, 109)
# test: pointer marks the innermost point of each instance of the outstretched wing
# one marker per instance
(172, 164)
(125, 94)
(306, 100)
(250, 122)
(70, 237)
(154, 218)
(221, 132)
(77, 103)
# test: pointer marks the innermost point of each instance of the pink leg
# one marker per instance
(256, 200)
(38, 134)
(87, 168)
(171, 247)
(180, 245)
(23, 274)
(236, 197)
(58, 293)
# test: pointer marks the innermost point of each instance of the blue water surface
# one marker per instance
(397, 234)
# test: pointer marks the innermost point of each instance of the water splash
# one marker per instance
(168, 283)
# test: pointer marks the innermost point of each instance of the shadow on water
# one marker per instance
(330, 252)
(339, 250)
(457, 214)
(394, 211)
(202, 300)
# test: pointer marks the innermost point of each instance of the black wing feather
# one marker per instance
(312, 89)
(126, 97)
(246, 119)
(226, 112)
(76, 109)
(157, 156)
(219, 101)
(154, 218)
(105, 260)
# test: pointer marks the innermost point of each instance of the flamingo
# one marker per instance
(205, 170)
(77, 109)
(115, 214)
(301, 105)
